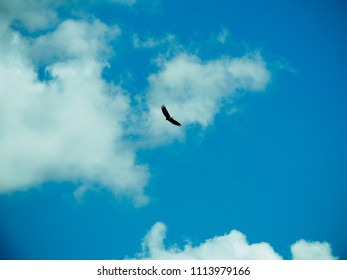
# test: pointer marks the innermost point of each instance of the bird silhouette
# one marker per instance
(168, 117)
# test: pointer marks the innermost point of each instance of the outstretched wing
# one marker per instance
(165, 112)
(168, 117)
(173, 121)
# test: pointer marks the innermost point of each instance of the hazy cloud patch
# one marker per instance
(223, 35)
(124, 2)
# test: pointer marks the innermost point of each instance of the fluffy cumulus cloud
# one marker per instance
(69, 124)
(229, 246)
(196, 89)
(305, 250)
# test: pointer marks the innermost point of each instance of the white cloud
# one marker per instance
(33, 15)
(229, 246)
(194, 90)
(69, 128)
(305, 250)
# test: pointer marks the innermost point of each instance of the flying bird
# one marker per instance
(168, 117)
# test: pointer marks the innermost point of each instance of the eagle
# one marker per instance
(168, 117)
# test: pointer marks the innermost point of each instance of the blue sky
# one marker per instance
(90, 169)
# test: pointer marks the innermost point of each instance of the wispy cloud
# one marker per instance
(75, 39)
(233, 246)
(223, 35)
